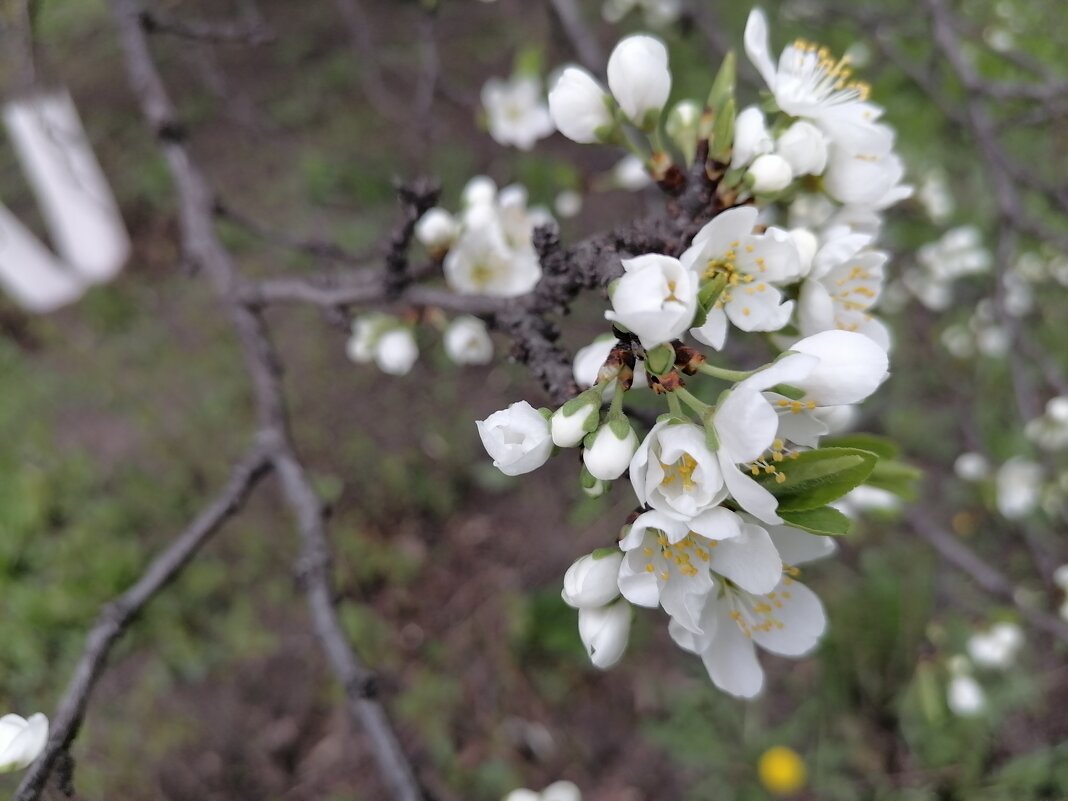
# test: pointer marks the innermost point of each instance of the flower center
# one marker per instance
(768, 463)
(681, 470)
(831, 75)
(680, 555)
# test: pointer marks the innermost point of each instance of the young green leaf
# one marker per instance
(825, 520)
(815, 478)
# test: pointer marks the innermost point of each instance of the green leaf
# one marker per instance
(815, 478)
(528, 61)
(825, 520)
(883, 447)
(896, 477)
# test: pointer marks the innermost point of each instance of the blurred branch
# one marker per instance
(252, 29)
(985, 575)
(568, 17)
(117, 616)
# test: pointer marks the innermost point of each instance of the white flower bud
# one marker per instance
(396, 351)
(516, 438)
(605, 631)
(522, 794)
(592, 580)
(770, 173)
(1019, 483)
(807, 245)
(804, 148)
(630, 174)
(569, 429)
(437, 230)
(568, 203)
(751, 137)
(971, 467)
(479, 191)
(561, 791)
(21, 741)
(611, 450)
(1060, 577)
(682, 126)
(965, 697)
(579, 106)
(639, 78)
(361, 345)
(468, 342)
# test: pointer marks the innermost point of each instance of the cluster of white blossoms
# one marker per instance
(732, 486)
(994, 650)
(21, 741)
(557, 791)
(515, 109)
(959, 253)
(486, 249)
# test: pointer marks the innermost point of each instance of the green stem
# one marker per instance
(674, 405)
(693, 402)
(723, 372)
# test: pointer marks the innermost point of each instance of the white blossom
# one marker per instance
(604, 631)
(675, 472)
(997, 647)
(787, 620)
(639, 77)
(630, 174)
(608, 456)
(1018, 483)
(517, 438)
(964, 696)
(515, 111)
(804, 147)
(579, 106)
(656, 298)
(468, 342)
(751, 264)
(971, 467)
(770, 173)
(592, 580)
(396, 351)
(21, 741)
(751, 137)
(481, 263)
(437, 230)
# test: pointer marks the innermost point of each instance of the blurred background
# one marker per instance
(122, 411)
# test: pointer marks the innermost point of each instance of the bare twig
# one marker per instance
(569, 17)
(251, 30)
(117, 616)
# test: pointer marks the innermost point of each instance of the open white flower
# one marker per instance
(656, 298)
(750, 264)
(1019, 484)
(604, 631)
(468, 342)
(675, 472)
(481, 263)
(788, 620)
(809, 83)
(670, 562)
(843, 284)
(517, 438)
(997, 647)
(639, 77)
(515, 111)
(804, 147)
(579, 106)
(21, 741)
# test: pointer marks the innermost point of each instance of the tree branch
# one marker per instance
(117, 616)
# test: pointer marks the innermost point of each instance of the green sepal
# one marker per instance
(824, 520)
(660, 359)
(587, 479)
(724, 85)
(604, 553)
(815, 478)
(651, 119)
(620, 427)
(710, 436)
(546, 412)
(574, 406)
(723, 133)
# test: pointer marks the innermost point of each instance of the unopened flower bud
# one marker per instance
(804, 148)
(575, 419)
(517, 438)
(610, 449)
(770, 173)
(605, 631)
(593, 580)
(639, 78)
(22, 740)
(437, 230)
(682, 125)
(468, 342)
(396, 351)
(580, 107)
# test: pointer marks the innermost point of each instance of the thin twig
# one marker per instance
(117, 616)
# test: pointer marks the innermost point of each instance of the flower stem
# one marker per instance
(674, 405)
(723, 372)
(616, 409)
(693, 402)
